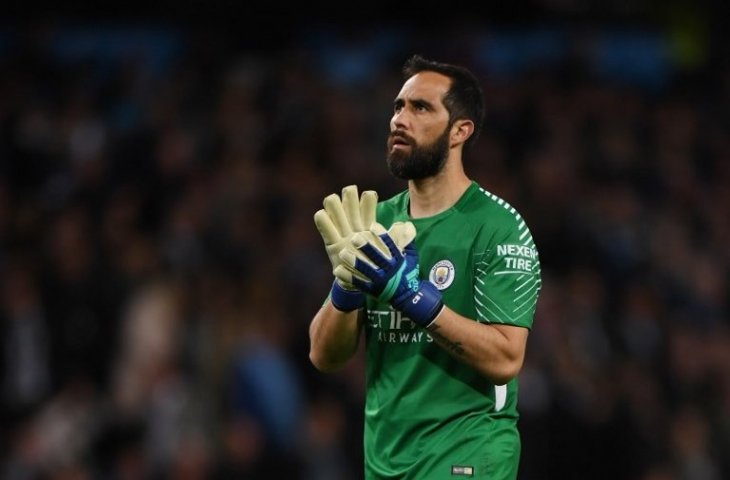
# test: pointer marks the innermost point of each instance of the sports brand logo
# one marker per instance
(462, 471)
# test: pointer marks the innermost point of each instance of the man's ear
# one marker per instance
(461, 130)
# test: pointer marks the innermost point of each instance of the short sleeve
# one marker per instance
(507, 275)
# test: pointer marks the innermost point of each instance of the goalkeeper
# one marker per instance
(445, 297)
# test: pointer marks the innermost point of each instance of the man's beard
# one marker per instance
(422, 162)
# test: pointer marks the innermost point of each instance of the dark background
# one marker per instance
(160, 163)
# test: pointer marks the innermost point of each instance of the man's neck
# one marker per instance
(433, 195)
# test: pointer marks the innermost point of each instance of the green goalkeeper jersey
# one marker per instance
(428, 415)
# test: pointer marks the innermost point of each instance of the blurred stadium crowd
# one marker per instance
(160, 265)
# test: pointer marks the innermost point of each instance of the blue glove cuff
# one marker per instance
(346, 300)
(424, 306)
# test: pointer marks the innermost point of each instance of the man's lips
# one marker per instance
(399, 141)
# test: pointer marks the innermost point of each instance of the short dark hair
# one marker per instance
(464, 100)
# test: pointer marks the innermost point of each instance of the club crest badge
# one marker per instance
(442, 274)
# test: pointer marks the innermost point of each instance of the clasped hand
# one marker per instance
(390, 275)
(342, 218)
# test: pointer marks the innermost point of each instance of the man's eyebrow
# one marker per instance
(418, 102)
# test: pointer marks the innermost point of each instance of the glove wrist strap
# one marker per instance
(424, 306)
(346, 300)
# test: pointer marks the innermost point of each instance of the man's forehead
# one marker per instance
(431, 86)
